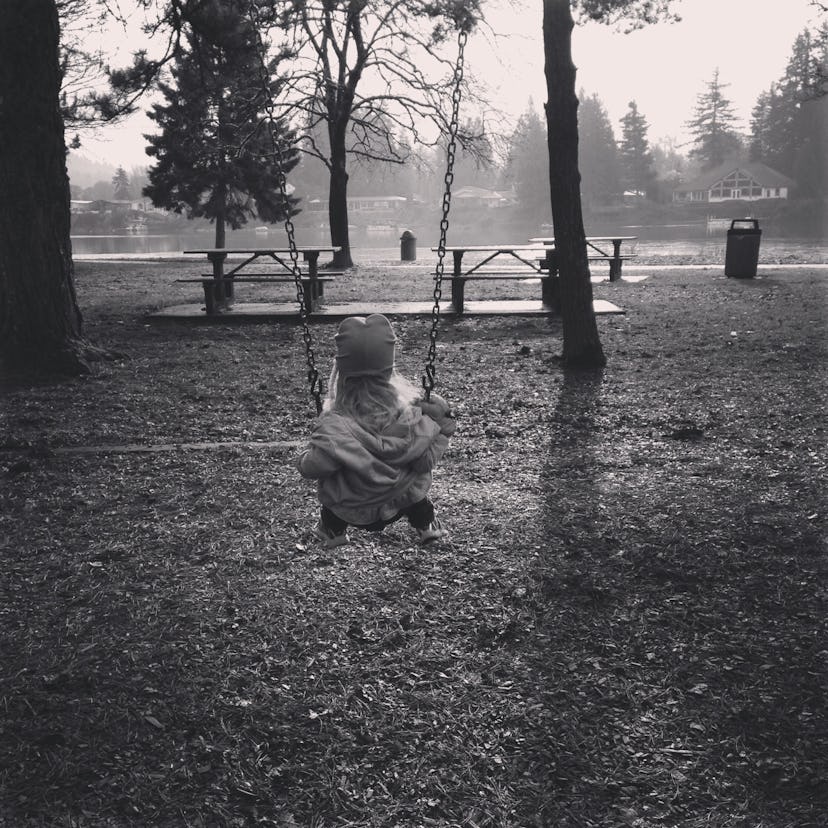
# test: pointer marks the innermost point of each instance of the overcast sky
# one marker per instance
(662, 67)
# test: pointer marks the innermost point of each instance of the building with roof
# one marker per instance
(740, 180)
(375, 204)
(480, 197)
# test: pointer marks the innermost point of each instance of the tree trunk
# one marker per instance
(221, 231)
(338, 201)
(581, 344)
(40, 323)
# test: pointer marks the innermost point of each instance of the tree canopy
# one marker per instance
(215, 153)
(527, 166)
(364, 74)
(597, 153)
(787, 129)
(120, 185)
(636, 159)
(713, 126)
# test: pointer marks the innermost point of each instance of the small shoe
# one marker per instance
(434, 531)
(330, 540)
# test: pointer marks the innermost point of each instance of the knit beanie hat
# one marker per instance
(365, 346)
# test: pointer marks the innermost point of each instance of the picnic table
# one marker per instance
(596, 244)
(529, 258)
(219, 285)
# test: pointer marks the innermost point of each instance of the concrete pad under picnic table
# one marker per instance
(267, 311)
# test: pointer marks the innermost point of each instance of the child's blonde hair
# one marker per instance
(374, 401)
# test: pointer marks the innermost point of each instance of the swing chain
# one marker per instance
(430, 367)
(314, 380)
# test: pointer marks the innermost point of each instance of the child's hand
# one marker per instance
(434, 406)
(438, 409)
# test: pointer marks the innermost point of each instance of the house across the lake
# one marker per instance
(381, 204)
(480, 197)
(103, 205)
(740, 180)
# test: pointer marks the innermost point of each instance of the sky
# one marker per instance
(663, 67)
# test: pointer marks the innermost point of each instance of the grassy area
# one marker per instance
(626, 626)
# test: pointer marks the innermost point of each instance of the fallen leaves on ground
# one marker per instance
(626, 626)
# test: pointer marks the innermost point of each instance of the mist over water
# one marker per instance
(690, 240)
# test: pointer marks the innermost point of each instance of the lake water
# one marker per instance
(664, 240)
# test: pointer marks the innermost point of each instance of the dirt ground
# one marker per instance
(625, 627)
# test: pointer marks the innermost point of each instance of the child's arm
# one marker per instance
(429, 458)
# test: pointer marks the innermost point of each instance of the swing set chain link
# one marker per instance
(314, 380)
(430, 367)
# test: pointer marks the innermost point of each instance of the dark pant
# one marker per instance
(419, 514)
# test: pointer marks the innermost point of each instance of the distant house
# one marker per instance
(385, 205)
(142, 205)
(376, 204)
(102, 205)
(742, 180)
(480, 197)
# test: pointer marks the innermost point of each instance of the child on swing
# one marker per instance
(376, 442)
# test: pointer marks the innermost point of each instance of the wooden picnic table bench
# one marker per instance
(594, 243)
(219, 285)
(528, 267)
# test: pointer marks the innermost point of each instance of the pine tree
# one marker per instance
(636, 159)
(782, 125)
(758, 147)
(473, 165)
(597, 154)
(120, 183)
(670, 168)
(713, 126)
(214, 153)
(528, 165)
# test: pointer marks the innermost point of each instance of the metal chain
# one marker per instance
(314, 380)
(430, 367)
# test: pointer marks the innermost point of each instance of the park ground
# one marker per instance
(625, 627)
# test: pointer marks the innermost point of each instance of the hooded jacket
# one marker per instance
(364, 477)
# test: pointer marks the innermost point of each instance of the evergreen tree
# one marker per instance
(474, 165)
(598, 154)
(670, 166)
(636, 159)
(215, 158)
(758, 146)
(527, 165)
(713, 126)
(783, 127)
(120, 184)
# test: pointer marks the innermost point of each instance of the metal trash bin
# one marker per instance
(408, 246)
(742, 252)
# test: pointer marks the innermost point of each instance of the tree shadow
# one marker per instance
(670, 644)
(571, 511)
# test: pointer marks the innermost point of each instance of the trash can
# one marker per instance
(408, 246)
(742, 252)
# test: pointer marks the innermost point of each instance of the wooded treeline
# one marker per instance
(786, 132)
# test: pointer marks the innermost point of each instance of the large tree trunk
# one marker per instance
(40, 323)
(338, 200)
(581, 344)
